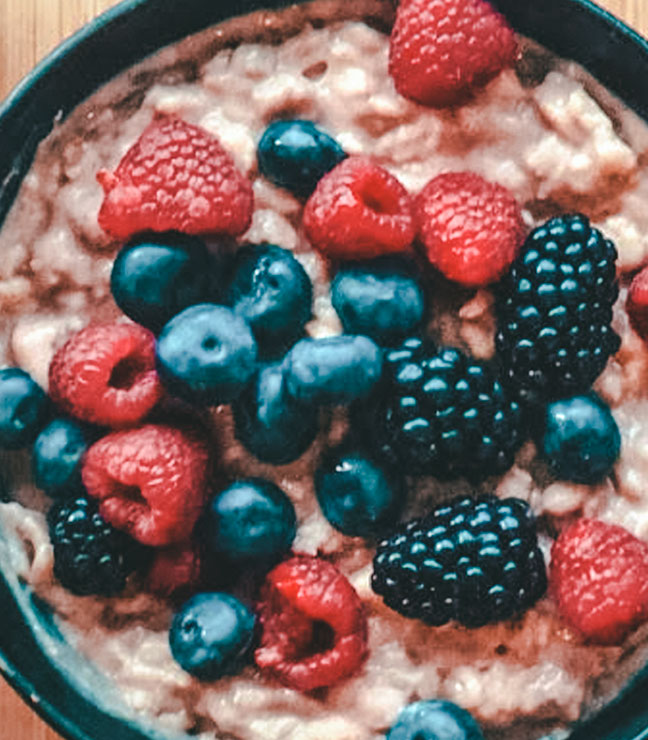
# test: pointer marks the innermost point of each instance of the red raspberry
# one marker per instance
(637, 303)
(105, 374)
(599, 577)
(314, 626)
(175, 569)
(441, 50)
(176, 177)
(359, 210)
(471, 228)
(150, 482)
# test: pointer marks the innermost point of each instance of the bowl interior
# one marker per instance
(33, 655)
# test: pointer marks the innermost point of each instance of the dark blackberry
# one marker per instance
(90, 556)
(554, 310)
(475, 561)
(442, 413)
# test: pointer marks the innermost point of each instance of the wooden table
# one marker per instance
(29, 29)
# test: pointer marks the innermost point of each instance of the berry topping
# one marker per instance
(599, 578)
(270, 423)
(442, 413)
(150, 482)
(434, 720)
(314, 626)
(382, 298)
(475, 561)
(23, 408)
(297, 154)
(174, 570)
(356, 495)
(56, 457)
(251, 522)
(206, 354)
(212, 635)
(358, 211)
(580, 439)
(637, 303)
(471, 228)
(442, 50)
(333, 369)
(554, 310)
(90, 557)
(272, 292)
(154, 277)
(176, 177)
(105, 374)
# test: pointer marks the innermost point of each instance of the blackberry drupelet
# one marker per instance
(442, 413)
(90, 556)
(554, 310)
(476, 561)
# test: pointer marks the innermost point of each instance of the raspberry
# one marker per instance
(599, 577)
(314, 630)
(441, 50)
(176, 177)
(150, 481)
(471, 228)
(176, 569)
(358, 211)
(637, 303)
(105, 374)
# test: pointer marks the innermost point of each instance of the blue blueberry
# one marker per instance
(382, 298)
(251, 521)
(334, 370)
(297, 154)
(56, 457)
(580, 439)
(23, 408)
(156, 276)
(356, 495)
(272, 292)
(270, 423)
(434, 720)
(212, 635)
(206, 354)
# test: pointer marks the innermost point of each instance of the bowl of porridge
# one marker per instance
(322, 404)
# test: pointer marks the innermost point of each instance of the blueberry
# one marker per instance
(297, 154)
(271, 290)
(251, 522)
(580, 439)
(356, 495)
(206, 354)
(334, 369)
(434, 720)
(381, 298)
(23, 408)
(211, 635)
(156, 276)
(270, 423)
(56, 457)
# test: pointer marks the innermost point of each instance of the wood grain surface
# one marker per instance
(28, 30)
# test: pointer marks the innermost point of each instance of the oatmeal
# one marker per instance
(557, 142)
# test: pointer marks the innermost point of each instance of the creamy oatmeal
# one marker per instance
(548, 133)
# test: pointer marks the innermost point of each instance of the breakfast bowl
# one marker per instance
(45, 661)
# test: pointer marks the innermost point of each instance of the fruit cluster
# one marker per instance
(132, 470)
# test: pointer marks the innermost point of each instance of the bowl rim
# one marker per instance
(104, 23)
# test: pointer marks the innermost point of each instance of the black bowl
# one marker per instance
(65, 690)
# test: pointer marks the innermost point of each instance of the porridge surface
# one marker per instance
(558, 144)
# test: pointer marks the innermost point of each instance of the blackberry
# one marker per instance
(554, 310)
(475, 561)
(442, 413)
(90, 556)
